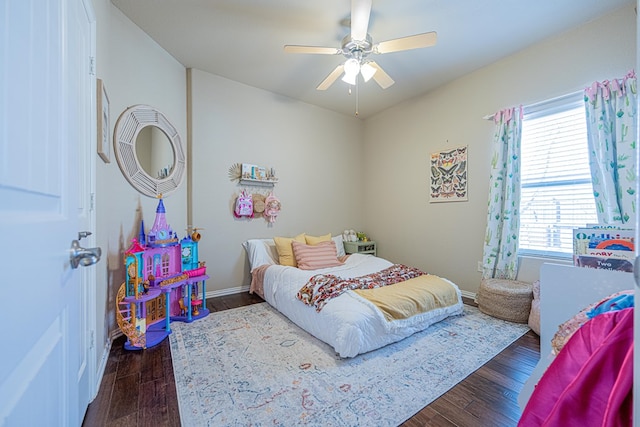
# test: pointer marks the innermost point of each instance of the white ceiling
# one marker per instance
(243, 40)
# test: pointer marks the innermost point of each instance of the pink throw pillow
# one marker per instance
(322, 255)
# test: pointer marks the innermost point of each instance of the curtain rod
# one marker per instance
(538, 104)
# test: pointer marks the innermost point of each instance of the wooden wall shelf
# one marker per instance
(259, 182)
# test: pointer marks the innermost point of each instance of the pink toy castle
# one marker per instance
(164, 282)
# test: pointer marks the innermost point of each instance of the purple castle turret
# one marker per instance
(142, 238)
(161, 233)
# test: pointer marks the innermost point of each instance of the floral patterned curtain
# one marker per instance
(611, 129)
(500, 254)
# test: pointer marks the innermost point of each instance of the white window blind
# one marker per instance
(557, 195)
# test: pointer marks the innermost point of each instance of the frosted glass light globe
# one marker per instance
(351, 67)
(367, 70)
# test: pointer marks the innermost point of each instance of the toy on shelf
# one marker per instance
(165, 282)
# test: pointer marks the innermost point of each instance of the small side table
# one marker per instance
(360, 247)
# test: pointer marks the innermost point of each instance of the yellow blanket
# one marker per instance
(413, 296)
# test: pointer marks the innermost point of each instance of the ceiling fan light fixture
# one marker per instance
(350, 79)
(351, 67)
(358, 45)
(367, 71)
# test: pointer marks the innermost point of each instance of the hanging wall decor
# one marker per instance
(235, 171)
(255, 198)
(258, 203)
(244, 205)
(448, 177)
(272, 208)
(104, 125)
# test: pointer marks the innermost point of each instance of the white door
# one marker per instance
(82, 54)
(45, 129)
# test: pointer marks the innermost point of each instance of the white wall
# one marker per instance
(317, 155)
(447, 238)
(135, 70)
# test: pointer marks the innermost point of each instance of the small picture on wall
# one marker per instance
(104, 147)
(448, 175)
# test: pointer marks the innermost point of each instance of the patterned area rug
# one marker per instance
(252, 366)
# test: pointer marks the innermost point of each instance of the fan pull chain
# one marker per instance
(357, 97)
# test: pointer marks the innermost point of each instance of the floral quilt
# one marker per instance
(322, 287)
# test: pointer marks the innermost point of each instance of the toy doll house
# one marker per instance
(164, 282)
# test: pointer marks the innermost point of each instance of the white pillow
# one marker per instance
(339, 245)
(260, 252)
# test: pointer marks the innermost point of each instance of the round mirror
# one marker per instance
(154, 152)
(149, 151)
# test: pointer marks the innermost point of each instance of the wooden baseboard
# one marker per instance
(228, 291)
(467, 294)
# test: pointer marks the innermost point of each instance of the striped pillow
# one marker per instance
(322, 255)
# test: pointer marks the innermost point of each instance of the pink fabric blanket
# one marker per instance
(257, 280)
(590, 382)
(322, 287)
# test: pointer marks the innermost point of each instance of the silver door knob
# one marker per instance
(83, 256)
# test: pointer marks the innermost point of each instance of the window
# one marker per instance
(165, 264)
(149, 266)
(557, 195)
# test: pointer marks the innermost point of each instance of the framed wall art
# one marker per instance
(448, 175)
(104, 147)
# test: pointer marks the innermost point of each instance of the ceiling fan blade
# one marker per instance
(332, 77)
(360, 11)
(406, 43)
(382, 78)
(290, 48)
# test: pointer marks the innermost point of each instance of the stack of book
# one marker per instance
(605, 247)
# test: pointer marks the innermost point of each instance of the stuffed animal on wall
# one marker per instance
(271, 208)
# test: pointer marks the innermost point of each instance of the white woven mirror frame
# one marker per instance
(128, 126)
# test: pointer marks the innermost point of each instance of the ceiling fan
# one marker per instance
(358, 45)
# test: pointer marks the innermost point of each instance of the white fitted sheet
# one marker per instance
(349, 323)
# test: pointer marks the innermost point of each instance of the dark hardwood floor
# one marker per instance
(138, 387)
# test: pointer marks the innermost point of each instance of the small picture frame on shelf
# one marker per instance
(104, 125)
(248, 171)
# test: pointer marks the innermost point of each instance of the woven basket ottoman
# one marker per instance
(505, 299)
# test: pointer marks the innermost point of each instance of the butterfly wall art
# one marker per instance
(448, 181)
